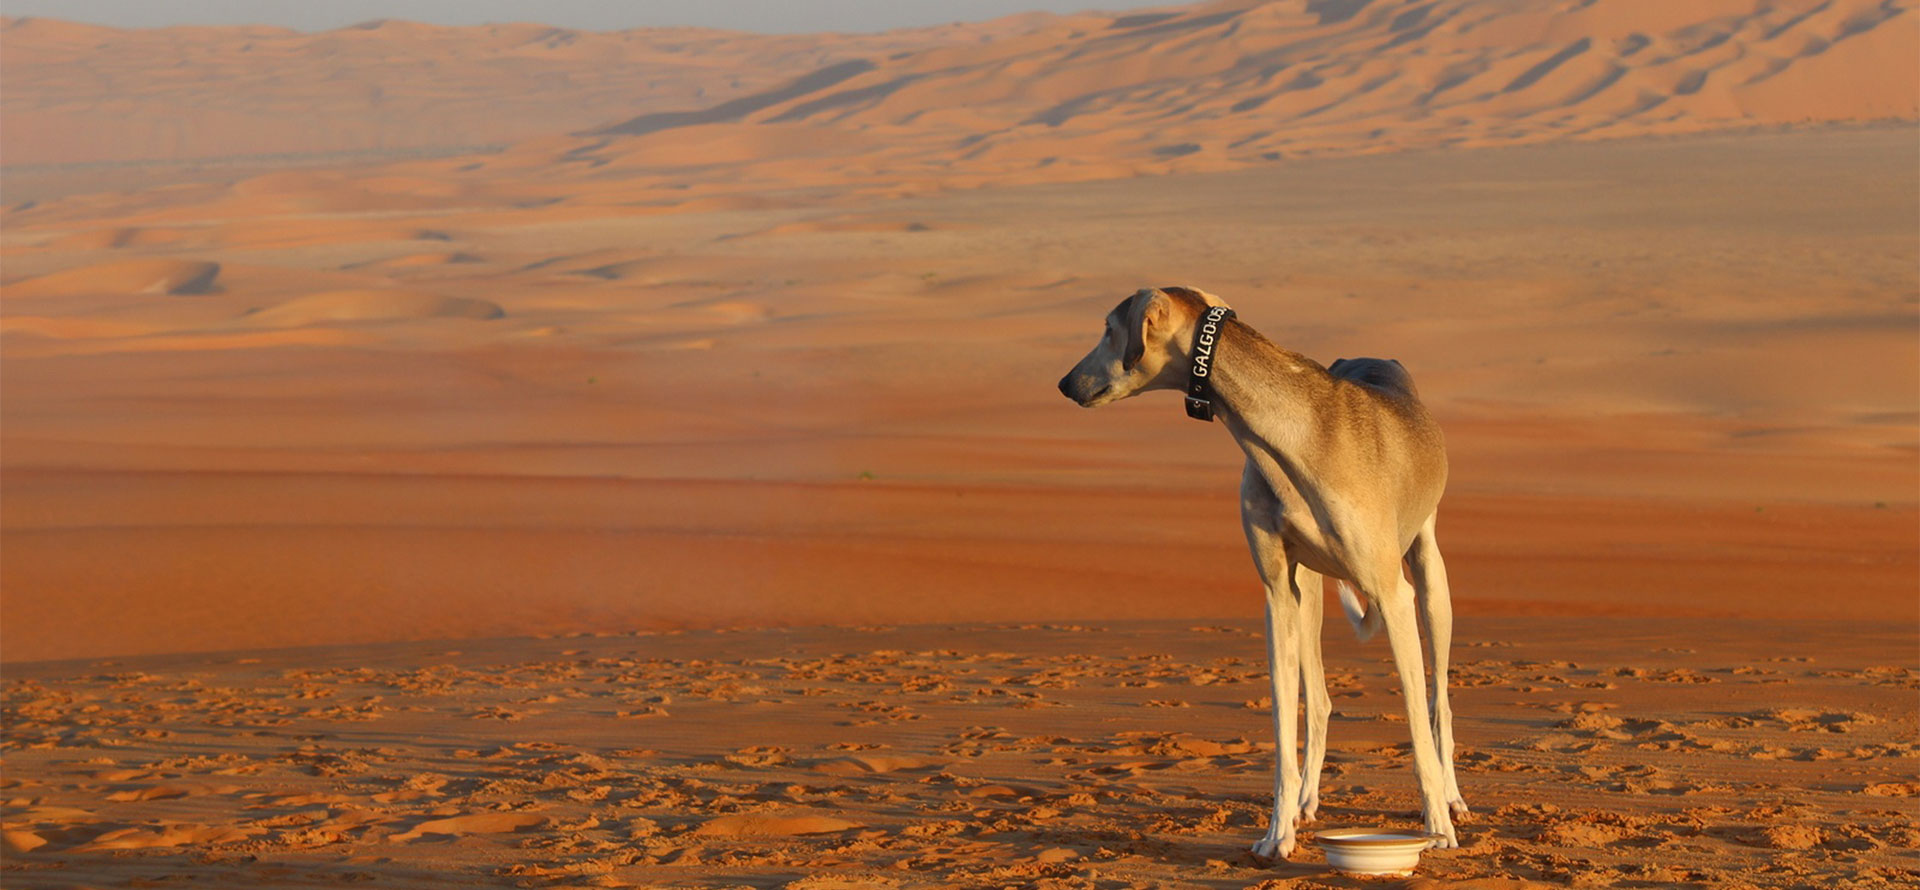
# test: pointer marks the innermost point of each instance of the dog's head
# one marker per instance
(1144, 347)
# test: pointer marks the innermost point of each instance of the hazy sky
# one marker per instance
(598, 15)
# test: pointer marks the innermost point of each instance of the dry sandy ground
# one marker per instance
(1598, 752)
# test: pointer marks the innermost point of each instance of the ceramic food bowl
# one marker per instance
(1373, 851)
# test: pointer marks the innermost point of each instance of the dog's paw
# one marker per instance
(1275, 847)
(1458, 806)
(1442, 826)
(1309, 808)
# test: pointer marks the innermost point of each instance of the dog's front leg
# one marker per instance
(1283, 653)
(1313, 686)
(1259, 518)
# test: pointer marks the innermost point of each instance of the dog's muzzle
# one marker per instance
(1081, 388)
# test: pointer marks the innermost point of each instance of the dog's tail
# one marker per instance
(1366, 622)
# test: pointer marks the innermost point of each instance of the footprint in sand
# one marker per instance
(758, 825)
(1800, 720)
(870, 764)
(759, 756)
(1892, 789)
(473, 823)
(167, 792)
(168, 835)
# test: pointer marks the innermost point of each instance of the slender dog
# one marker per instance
(1343, 477)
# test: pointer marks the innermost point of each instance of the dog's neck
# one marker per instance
(1262, 391)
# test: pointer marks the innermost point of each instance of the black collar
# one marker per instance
(1206, 336)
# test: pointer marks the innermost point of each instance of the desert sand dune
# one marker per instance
(148, 276)
(372, 305)
(413, 260)
(102, 238)
(220, 92)
(1024, 99)
(1235, 83)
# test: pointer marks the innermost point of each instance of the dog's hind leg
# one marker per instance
(1313, 683)
(1259, 515)
(1429, 573)
(1396, 598)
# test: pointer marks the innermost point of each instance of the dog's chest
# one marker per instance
(1308, 527)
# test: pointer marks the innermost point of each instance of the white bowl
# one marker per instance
(1373, 851)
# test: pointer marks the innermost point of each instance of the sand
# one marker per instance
(316, 470)
(1667, 478)
(146, 276)
(1668, 371)
(1604, 752)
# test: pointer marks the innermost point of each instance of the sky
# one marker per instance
(774, 16)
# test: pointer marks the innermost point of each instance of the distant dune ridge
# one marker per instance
(1026, 99)
(1032, 97)
(220, 92)
(1237, 82)
(144, 276)
(373, 305)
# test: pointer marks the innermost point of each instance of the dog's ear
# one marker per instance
(1135, 342)
(1195, 295)
(1146, 310)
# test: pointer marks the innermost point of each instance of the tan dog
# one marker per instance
(1343, 477)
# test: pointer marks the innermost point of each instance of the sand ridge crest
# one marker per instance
(372, 304)
(134, 276)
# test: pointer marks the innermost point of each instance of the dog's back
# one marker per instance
(1384, 374)
(1404, 436)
